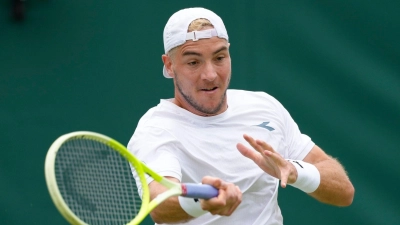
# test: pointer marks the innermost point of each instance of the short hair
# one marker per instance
(197, 24)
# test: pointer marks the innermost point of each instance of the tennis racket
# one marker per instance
(90, 180)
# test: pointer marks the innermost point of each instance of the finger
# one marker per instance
(234, 207)
(284, 181)
(215, 205)
(228, 203)
(281, 164)
(237, 202)
(253, 143)
(265, 145)
(285, 174)
(249, 153)
(276, 157)
(213, 181)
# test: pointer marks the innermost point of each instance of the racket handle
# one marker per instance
(203, 191)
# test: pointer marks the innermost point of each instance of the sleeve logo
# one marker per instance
(264, 125)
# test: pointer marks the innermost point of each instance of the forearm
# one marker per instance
(335, 187)
(168, 211)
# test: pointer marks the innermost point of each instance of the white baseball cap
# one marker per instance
(175, 31)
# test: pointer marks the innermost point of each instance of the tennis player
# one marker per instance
(244, 143)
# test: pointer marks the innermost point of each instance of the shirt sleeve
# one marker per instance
(164, 163)
(299, 144)
(155, 148)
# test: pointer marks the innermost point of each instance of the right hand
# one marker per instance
(228, 199)
(269, 160)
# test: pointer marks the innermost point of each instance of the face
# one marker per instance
(201, 71)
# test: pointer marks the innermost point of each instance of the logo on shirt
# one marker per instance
(264, 125)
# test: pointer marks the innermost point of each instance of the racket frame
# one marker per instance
(174, 189)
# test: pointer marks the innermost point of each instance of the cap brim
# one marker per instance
(165, 73)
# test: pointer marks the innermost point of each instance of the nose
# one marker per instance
(209, 73)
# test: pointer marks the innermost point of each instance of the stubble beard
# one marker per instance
(196, 105)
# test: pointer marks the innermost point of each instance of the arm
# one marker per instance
(335, 187)
(170, 210)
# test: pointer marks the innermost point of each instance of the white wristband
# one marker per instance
(308, 177)
(191, 206)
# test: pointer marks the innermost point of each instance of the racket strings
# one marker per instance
(96, 182)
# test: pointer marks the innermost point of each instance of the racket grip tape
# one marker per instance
(203, 191)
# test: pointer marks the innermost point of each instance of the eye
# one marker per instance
(192, 63)
(220, 58)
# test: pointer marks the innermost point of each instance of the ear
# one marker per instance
(168, 64)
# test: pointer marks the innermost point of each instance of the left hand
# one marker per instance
(269, 160)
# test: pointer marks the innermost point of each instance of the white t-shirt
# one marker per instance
(175, 142)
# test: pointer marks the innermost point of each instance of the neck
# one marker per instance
(191, 109)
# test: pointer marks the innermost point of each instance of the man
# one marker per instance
(204, 132)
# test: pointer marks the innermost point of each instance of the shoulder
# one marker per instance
(250, 94)
(147, 116)
(159, 114)
(151, 131)
(160, 121)
(252, 97)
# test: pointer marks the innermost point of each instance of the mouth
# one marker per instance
(208, 89)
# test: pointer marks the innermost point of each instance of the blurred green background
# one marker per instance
(96, 65)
